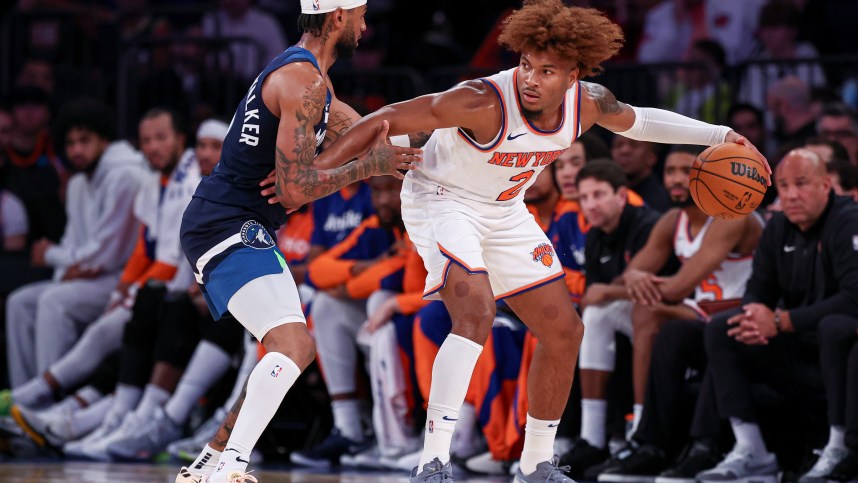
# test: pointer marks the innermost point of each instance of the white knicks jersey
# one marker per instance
(728, 280)
(499, 172)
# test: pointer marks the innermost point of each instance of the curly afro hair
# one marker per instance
(584, 36)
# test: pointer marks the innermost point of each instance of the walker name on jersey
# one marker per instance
(248, 128)
(522, 160)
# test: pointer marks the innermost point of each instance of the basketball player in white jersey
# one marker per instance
(464, 211)
(707, 278)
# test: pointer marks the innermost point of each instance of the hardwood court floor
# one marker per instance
(75, 472)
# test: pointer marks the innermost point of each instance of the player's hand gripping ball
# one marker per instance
(728, 181)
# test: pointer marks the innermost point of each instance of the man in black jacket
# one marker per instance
(618, 231)
(805, 268)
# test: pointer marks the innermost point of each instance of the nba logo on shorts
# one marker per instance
(276, 371)
(253, 234)
(431, 426)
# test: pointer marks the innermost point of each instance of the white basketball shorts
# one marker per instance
(504, 242)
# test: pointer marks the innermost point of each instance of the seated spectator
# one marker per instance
(701, 92)
(839, 123)
(707, 279)
(814, 237)
(44, 319)
(34, 173)
(159, 205)
(790, 107)
(239, 18)
(618, 231)
(826, 149)
(778, 28)
(371, 257)
(637, 159)
(844, 178)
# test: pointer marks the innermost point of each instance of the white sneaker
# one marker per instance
(185, 476)
(97, 449)
(110, 423)
(486, 464)
(370, 459)
(741, 466)
(405, 462)
(829, 457)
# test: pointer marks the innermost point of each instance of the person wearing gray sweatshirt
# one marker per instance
(45, 318)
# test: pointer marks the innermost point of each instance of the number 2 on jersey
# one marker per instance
(520, 180)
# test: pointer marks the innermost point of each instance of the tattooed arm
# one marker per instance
(299, 179)
(600, 106)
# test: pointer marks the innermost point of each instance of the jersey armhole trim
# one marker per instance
(502, 132)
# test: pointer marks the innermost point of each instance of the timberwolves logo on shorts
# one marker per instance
(253, 234)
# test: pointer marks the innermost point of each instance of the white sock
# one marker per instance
(538, 443)
(89, 395)
(266, 387)
(67, 405)
(34, 393)
(638, 412)
(206, 366)
(347, 418)
(154, 397)
(85, 420)
(126, 399)
(594, 413)
(206, 462)
(748, 436)
(836, 437)
(451, 375)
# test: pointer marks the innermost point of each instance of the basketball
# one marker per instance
(728, 181)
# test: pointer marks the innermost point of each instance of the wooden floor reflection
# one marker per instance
(75, 472)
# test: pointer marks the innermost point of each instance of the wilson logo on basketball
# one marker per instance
(543, 253)
(742, 169)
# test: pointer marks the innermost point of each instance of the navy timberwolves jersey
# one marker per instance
(248, 153)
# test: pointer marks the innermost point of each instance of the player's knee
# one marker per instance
(646, 318)
(476, 321)
(567, 336)
(292, 340)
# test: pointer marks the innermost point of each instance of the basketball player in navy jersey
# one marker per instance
(464, 210)
(228, 229)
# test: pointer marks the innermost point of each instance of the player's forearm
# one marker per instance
(299, 181)
(660, 126)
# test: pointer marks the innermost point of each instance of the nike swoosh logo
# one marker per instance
(238, 458)
(448, 418)
(511, 137)
(553, 425)
(789, 249)
(605, 259)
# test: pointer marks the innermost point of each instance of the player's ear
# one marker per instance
(338, 16)
(573, 76)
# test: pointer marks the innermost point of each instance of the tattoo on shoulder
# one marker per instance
(605, 99)
(419, 139)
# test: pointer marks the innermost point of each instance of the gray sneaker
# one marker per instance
(433, 472)
(740, 466)
(146, 444)
(829, 458)
(546, 472)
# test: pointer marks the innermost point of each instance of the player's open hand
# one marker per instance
(734, 137)
(384, 158)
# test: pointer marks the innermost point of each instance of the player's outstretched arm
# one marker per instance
(600, 106)
(469, 105)
(298, 180)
